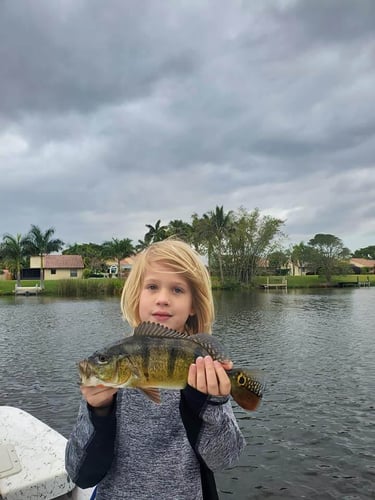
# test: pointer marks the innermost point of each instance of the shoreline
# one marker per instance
(107, 287)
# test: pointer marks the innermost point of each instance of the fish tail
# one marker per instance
(247, 387)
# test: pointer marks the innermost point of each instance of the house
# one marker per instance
(366, 266)
(125, 266)
(57, 267)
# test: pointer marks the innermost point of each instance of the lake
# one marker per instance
(314, 434)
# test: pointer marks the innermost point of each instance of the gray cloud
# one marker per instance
(115, 114)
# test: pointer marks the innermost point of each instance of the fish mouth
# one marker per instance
(84, 368)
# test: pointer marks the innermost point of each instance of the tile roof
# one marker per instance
(362, 262)
(63, 262)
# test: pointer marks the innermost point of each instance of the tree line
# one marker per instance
(238, 244)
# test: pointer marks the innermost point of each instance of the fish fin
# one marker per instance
(152, 393)
(247, 387)
(205, 340)
(149, 329)
(211, 344)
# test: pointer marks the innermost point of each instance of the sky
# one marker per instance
(117, 113)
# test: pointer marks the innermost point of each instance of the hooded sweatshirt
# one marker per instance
(143, 450)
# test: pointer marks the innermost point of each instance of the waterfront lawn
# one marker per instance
(314, 281)
(69, 287)
(93, 287)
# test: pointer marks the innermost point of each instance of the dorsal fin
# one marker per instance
(212, 345)
(205, 340)
(148, 329)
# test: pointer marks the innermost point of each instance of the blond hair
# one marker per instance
(180, 258)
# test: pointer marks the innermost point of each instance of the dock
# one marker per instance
(27, 290)
(283, 284)
(352, 283)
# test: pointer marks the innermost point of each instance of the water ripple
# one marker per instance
(313, 437)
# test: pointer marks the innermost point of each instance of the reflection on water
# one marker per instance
(313, 436)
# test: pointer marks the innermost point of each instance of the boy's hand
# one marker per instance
(99, 395)
(209, 376)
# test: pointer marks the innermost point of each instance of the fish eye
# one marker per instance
(102, 359)
(241, 379)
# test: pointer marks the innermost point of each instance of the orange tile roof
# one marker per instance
(362, 262)
(63, 262)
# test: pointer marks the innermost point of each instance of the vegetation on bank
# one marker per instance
(110, 287)
(102, 287)
(240, 247)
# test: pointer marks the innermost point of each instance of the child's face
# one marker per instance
(166, 297)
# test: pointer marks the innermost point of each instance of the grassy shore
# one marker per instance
(100, 287)
(96, 287)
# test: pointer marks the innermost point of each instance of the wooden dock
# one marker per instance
(283, 284)
(27, 290)
(357, 282)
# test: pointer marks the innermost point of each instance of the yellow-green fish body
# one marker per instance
(156, 357)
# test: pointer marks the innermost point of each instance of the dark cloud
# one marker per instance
(335, 21)
(116, 114)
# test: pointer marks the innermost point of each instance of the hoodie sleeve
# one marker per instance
(212, 428)
(90, 447)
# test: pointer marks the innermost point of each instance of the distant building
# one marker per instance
(125, 266)
(58, 267)
(363, 265)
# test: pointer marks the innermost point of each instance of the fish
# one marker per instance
(156, 357)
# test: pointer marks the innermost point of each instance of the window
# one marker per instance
(53, 271)
(73, 273)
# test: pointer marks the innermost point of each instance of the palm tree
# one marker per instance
(179, 229)
(41, 243)
(13, 252)
(220, 226)
(118, 250)
(154, 234)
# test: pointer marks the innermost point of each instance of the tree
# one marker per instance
(200, 237)
(329, 253)
(250, 242)
(365, 253)
(91, 253)
(41, 243)
(154, 234)
(118, 249)
(179, 229)
(304, 257)
(13, 253)
(278, 261)
(219, 228)
(236, 243)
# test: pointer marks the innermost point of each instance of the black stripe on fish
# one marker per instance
(172, 357)
(146, 360)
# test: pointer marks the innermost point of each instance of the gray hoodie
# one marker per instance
(143, 451)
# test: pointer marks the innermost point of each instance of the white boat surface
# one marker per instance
(32, 460)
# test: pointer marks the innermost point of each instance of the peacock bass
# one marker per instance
(156, 357)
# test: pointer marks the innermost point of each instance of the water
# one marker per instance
(313, 437)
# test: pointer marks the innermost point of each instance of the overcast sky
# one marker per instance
(117, 113)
